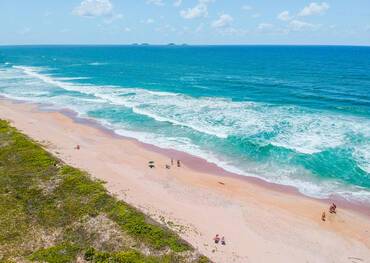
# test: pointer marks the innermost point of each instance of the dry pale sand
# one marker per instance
(261, 223)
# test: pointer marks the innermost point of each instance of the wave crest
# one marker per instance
(301, 130)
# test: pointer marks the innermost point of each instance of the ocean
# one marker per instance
(292, 115)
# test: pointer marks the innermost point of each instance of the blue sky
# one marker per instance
(341, 22)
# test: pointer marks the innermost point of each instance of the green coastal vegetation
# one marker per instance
(52, 212)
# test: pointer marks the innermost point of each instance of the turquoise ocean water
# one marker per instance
(294, 115)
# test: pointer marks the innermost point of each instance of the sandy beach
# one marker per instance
(261, 222)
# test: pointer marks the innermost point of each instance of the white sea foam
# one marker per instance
(72, 78)
(179, 143)
(296, 177)
(311, 133)
(301, 130)
(97, 64)
(362, 156)
(34, 72)
(138, 98)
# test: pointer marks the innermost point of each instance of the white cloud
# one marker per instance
(224, 20)
(93, 8)
(269, 28)
(314, 9)
(155, 2)
(177, 2)
(149, 21)
(294, 24)
(256, 15)
(200, 10)
(127, 29)
(265, 26)
(247, 7)
(284, 16)
(297, 25)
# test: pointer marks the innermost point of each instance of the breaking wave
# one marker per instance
(309, 137)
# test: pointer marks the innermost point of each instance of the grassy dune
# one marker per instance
(52, 212)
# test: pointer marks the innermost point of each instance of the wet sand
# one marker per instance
(262, 222)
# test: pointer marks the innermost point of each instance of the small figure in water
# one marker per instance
(333, 208)
(323, 216)
(178, 163)
(223, 241)
(216, 239)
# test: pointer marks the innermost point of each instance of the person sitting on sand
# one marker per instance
(323, 216)
(77, 147)
(332, 209)
(178, 163)
(216, 239)
(223, 241)
(167, 166)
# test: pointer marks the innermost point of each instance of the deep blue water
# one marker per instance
(295, 115)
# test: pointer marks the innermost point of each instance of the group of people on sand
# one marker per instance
(151, 164)
(332, 210)
(217, 240)
(172, 163)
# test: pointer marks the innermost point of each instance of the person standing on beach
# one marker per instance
(216, 238)
(178, 163)
(171, 161)
(333, 208)
(323, 216)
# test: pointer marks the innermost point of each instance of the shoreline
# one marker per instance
(200, 164)
(194, 196)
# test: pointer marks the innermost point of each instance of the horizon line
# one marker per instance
(143, 44)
